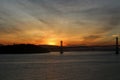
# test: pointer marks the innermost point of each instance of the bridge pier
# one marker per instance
(61, 47)
(117, 46)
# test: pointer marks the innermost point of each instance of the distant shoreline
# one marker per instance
(30, 48)
(22, 49)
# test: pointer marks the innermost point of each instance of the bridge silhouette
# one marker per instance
(116, 45)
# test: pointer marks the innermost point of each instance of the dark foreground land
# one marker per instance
(23, 48)
(30, 48)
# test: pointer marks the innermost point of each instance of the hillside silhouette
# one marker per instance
(22, 48)
(31, 48)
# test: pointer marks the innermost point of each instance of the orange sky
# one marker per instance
(82, 22)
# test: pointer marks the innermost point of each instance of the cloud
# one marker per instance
(93, 37)
(9, 29)
(107, 18)
(90, 19)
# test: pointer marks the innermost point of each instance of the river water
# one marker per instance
(53, 66)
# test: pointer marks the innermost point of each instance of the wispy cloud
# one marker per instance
(87, 19)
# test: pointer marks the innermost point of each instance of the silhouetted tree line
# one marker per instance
(31, 48)
(22, 48)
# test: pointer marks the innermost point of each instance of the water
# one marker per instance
(53, 66)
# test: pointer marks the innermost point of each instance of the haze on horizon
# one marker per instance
(76, 22)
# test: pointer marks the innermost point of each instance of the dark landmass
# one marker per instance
(22, 48)
(30, 48)
(90, 48)
(81, 48)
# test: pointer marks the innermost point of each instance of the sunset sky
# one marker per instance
(76, 22)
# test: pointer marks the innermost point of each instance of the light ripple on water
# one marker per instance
(53, 66)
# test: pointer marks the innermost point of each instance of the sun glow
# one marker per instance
(52, 43)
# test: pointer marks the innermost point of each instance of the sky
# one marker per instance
(75, 22)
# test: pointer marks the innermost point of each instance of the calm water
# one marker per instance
(53, 66)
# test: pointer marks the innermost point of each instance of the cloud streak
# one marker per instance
(37, 19)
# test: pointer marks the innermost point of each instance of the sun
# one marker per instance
(51, 43)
